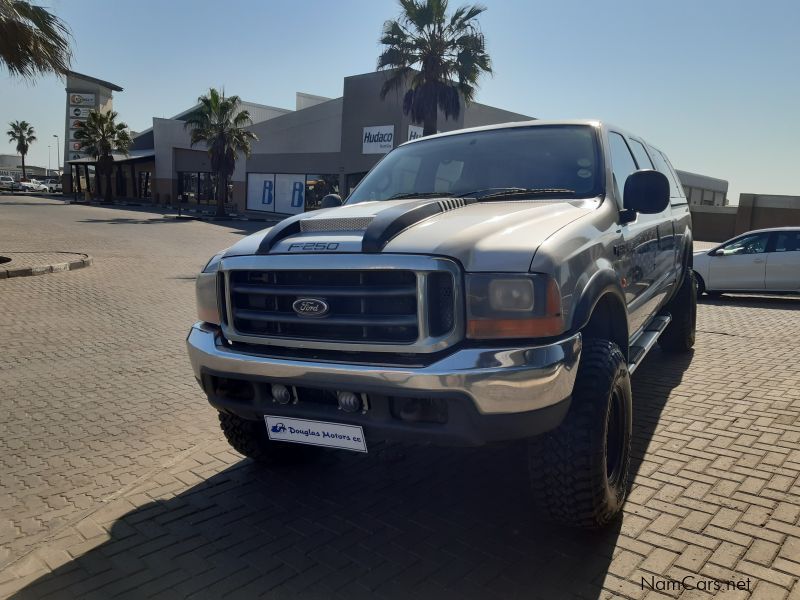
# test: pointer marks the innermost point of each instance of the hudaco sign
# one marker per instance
(378, 139)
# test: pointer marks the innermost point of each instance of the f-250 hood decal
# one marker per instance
(483, 236)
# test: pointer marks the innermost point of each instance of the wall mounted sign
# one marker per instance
(378, 139)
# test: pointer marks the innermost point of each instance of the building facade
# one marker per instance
(324, 145)
(702, 190)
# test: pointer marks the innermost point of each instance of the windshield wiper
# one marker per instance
(404, 195)
(513, 192)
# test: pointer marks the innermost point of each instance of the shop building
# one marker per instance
(324, 145)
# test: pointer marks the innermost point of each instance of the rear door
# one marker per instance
(783, 262)
(740, 264)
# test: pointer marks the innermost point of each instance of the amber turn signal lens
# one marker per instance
(514, 328)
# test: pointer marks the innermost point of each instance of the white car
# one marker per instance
(53, 185)
(767, 260)
(33, 185)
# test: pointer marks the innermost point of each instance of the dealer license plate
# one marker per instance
(316, 433)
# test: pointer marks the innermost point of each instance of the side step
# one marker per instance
(647, 340)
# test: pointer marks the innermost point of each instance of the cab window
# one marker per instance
(640, 155)
(622, 163)
(662, 165)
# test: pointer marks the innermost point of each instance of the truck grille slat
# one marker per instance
(364, 305)
(270, 290)
(370, 321)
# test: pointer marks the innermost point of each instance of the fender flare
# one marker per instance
(601, 283)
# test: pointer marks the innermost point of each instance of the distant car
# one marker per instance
(53, 185)
(766, 260)
(7, 183)
(34, 185)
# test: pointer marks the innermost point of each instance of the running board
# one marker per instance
(646, 340)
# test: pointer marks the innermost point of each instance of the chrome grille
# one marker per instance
(364, 305)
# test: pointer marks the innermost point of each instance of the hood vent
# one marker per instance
(346, 224)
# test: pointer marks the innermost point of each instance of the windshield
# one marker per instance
(538, 159)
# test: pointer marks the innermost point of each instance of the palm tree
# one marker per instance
(33, 41)
(443, 58)
(220, 124)
(23, 135)
(100, 136)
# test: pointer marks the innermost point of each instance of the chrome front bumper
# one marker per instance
(496, 380)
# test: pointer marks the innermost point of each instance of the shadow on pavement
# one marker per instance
(403, 521)
(787, 302)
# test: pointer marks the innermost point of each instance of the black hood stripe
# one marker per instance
(390, 223)
(385, 226)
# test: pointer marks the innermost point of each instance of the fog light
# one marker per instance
(348, 401)
(281, 394)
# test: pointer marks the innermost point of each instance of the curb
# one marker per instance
(41, 270)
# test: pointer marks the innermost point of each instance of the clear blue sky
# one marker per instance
(714, 83)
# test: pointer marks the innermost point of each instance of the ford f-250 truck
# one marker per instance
(482, 285)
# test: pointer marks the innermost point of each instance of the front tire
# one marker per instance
(679, 336)
(250, 438)
(580, 471)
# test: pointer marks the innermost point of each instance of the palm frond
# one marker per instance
(439, 60)
(33, 41)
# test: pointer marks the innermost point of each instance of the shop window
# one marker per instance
(144, 184)
(319, 186)
(352, 180)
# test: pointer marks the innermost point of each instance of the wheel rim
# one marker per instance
(615, 438)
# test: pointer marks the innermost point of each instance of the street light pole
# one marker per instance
(58, 149)
(48, 161)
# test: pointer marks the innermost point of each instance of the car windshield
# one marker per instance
(541, 160)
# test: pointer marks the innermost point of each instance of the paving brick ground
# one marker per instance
(115, 481)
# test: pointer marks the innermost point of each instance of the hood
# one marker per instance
(482, 236)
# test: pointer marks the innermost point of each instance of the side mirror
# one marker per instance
(331, 201)
(646, 192)
(718, 252)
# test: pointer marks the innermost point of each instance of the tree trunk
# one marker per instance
(429, 123)
(22, 154)
(107, 191)
(222, 193)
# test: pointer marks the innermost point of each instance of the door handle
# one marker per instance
(758, 261)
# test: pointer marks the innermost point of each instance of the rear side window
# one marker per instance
(663, 166)
(787, 241)
(640, 155)
(622, 163)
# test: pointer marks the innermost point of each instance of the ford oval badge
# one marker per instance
(311, 307)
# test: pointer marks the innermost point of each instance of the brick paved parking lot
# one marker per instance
(115, 480)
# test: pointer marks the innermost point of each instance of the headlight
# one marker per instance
(213, 264)
(206, 291)
(501, 305)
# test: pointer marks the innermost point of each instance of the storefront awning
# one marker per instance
(132, 156)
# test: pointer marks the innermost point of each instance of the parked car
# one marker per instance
(766, 260)
(33, 185)
(53, 185)
(7, 183)
(480, 285)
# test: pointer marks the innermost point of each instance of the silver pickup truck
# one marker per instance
(477, 286)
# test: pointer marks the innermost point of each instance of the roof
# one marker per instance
(512, 125)
(108, 84)
(132, 155)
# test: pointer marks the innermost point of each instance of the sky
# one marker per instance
(713, 83)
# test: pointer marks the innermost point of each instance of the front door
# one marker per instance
(783, 262)
(639, 251)
(740, 264)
